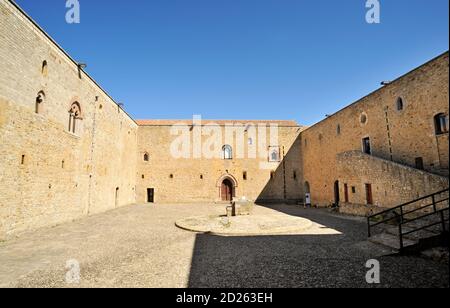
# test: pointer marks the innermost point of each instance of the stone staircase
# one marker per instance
(413, 227)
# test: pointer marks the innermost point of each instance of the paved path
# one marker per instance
(139, 246)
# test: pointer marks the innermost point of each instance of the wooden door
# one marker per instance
(337, 197)
(227, 190)
(369, 195)
(346, 193)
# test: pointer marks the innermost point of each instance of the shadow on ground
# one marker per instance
(306, 260)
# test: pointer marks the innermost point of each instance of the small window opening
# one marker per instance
(441, 124)
(367, 149)
(363, 118)
(40, 98)
(44, 69)
(400, 104)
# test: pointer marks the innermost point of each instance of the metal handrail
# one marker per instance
(424, 227)
(403, 221)
(410, 202)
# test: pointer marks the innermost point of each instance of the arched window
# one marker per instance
(40, 99)
(274, 154)
(146, 157)
(400, 104)
(74, 116)
(44, 69)
(441, 124)
(227, 152)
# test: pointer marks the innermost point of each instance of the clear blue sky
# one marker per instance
(244, 59)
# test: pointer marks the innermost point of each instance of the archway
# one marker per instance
(307, 189)
(227, 190)
(337, 197)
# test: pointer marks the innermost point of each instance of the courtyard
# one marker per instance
(140, 246)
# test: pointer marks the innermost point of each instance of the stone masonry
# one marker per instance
(68, 150)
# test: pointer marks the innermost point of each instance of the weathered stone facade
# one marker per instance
(391, 183)
(68, 150)
(399, 136)
(49, 175)
(199, 179)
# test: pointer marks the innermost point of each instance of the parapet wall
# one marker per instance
(392, 183)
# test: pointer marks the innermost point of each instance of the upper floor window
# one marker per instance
(146, 157)
(363, 118)
(400, 104)
(274, 154)
(227, 152)
(40, 99)
(74, 116)
(44, 69)
(441, 124)
(367, 148)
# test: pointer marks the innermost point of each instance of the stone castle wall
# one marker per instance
(396, 135)
(51, 172)
(392, 184)
(199, 179)
(49, 175)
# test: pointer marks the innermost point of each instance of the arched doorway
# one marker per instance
(227, 190)
(307, 189)
(337, 197)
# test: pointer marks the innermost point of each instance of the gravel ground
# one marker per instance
(139, 246)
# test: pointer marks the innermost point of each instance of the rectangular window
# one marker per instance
(441, 123)
(369, 196)
(367, 149)
(244, 175)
